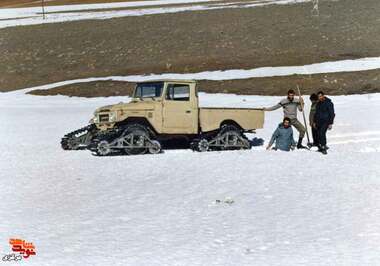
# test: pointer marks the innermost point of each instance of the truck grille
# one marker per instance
(103, 117)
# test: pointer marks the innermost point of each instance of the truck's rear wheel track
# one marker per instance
(228, 138)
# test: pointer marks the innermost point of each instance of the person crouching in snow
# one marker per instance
(283, 136)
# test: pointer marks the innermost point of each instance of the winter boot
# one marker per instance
(322, 149)
(299, 144)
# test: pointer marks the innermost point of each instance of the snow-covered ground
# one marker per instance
(10, 17)
(297, 208)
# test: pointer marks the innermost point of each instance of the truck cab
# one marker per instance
(176, 105)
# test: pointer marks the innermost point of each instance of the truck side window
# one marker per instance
(178, 92)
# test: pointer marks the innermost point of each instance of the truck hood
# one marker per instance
(138, 106)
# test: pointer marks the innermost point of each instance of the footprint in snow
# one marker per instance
(227, 200)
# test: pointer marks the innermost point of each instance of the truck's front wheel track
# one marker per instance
(103, 148)
(155, 147)
(78, 139)
(134, 139)
(136, 136)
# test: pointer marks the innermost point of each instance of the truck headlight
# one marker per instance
(112, 117)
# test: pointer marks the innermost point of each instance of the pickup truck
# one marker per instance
(164, 110)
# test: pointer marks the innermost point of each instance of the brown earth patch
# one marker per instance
(34, 3)
(276, 35)
(38, 3)
(206, 3)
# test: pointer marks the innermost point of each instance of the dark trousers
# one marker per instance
(314, 133)
(321, 131)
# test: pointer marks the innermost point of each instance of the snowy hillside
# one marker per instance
(297, 208)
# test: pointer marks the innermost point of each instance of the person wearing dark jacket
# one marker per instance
(283, 137)
(323, 119)
(314, 101)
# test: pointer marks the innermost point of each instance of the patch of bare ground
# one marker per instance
(276, 35)
(207, 3)
(333, 84)
(37, 3)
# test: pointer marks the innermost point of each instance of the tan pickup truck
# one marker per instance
(161, 111)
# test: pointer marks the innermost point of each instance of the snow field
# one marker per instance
(297, 208)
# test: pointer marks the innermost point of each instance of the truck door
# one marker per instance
(180, 109)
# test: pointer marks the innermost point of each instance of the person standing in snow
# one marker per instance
(290, 106)
(314, 101)
(323, 119)
(283, 137)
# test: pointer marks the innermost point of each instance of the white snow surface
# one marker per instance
(10, 17)
(352, 65)
(296, 208)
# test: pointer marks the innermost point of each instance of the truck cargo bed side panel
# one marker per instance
(248, 119)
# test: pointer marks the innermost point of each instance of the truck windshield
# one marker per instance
(148, 90)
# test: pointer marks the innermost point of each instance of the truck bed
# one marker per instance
(248, 118)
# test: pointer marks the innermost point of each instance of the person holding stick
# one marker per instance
(290, 107)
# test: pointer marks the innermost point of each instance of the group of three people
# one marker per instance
(321, 118)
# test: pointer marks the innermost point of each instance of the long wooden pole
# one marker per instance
(303, 114)
(43, 8)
